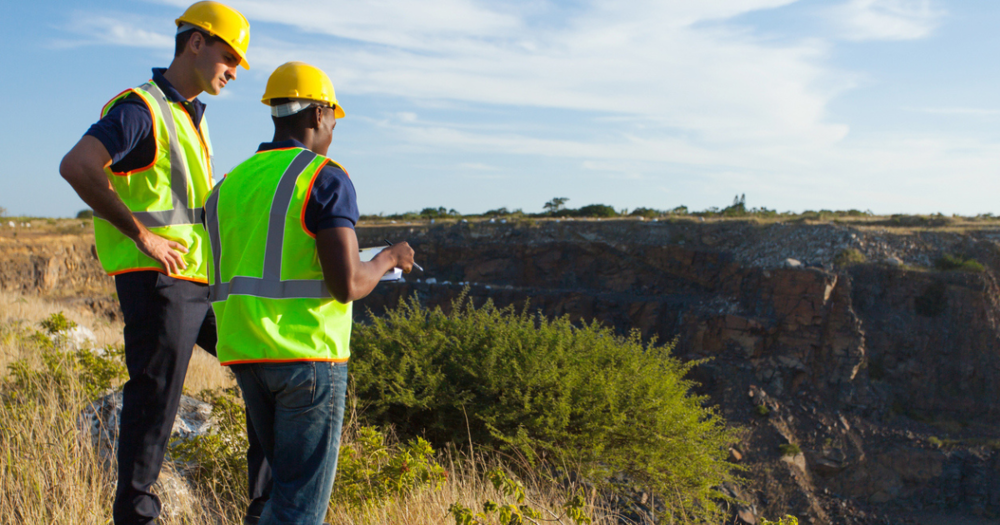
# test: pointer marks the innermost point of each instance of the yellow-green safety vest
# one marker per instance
(267, 289)
(167, 195)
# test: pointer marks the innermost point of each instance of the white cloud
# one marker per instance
(115, 29)
(657, 86)
(646, 60)
(886, 19)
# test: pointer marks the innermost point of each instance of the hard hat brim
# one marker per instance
(200, 25)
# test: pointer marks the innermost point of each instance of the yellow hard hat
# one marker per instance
(222, 21)
(298, 80)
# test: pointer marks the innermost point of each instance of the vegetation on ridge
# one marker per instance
(561, 396)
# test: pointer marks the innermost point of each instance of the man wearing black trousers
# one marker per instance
(146, 168)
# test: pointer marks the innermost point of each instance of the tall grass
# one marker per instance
(50, 473)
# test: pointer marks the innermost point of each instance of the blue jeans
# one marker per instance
(297, 411)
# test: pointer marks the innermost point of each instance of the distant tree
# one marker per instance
(3, 211)
(648, 213)
(738, 208)
(85, 214)
(597, 210)
(556, 204)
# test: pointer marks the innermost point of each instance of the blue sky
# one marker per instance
(887, 105)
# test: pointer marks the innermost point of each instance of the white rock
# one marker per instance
(76, 338)
(99, 423)
(11, 224)
(100, 420)
(431, 280)
(792, 263)
(894, 261)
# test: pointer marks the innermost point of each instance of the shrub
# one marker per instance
(789, 449)
(520, 511)
(849, 257)
(596, 210)
(547, 390)
(762, 411)
(373, 469)
(961, 263)
(647, 213)
(85, 214)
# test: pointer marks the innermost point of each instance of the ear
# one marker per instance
(316, 119)
(196, 42)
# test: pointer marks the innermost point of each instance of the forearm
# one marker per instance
(83, 168)
(366, 275)
(347, 278)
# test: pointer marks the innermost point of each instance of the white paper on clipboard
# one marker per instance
(368, 254)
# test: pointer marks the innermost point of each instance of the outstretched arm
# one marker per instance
(346, 276)
(83, 167)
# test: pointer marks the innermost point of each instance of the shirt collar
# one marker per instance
(281, 144)
(170, 91)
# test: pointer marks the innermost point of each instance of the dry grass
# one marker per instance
(30, 310)
(49, 472)
(205, 373)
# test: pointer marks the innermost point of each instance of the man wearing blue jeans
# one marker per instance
(284, 270)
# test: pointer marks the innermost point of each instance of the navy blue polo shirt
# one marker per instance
(333, 202)
(127, 130)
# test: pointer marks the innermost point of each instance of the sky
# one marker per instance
(882, 105)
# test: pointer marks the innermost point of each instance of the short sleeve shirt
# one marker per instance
(127, 130)
(333, 202)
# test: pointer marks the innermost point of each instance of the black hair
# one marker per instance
(182, 40)
(294, 122)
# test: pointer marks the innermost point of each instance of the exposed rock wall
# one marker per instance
(859, 366)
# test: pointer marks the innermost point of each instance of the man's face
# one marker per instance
(215, 65)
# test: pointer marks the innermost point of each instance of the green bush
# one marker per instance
(85, 214)
(521, 511)
(849, 257)
(371, 469)
(547, 390)
(960, 263)
(647, 213)
(789, 449)
(596, 210)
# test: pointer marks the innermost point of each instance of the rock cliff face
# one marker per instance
(884, 375)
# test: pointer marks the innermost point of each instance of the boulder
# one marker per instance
(99, 422)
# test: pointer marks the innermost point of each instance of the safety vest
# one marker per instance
(167, 195)
(267, 289)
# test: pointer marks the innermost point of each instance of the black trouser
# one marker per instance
(164, 318)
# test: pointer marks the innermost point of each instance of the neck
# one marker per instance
(182, 78)
(305, 136)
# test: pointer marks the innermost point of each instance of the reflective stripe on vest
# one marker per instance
(160, 195)
(270, 285)
(266, 281)
(179, 213)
